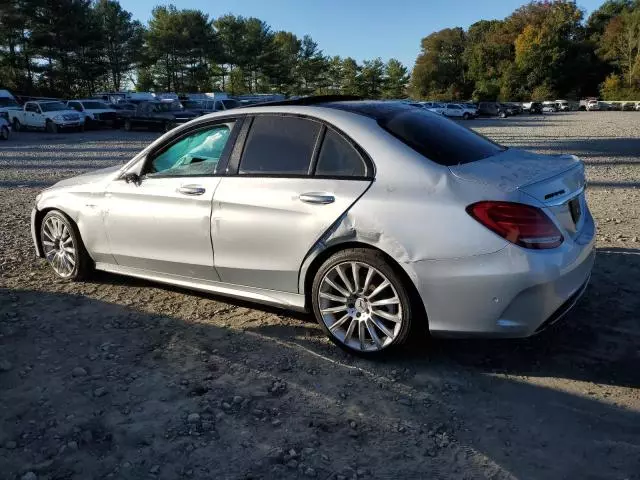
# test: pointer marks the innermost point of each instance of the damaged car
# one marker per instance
(377, 217)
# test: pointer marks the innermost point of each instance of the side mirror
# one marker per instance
(132, 178)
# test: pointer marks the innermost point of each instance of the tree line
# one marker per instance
(543, 50)
(78, 47)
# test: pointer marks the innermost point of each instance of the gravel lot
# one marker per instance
(121, 378)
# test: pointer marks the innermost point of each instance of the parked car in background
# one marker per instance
(562, 105)
(158, 115)
(8, 101)
(96, 113)
(202, 107)
(516, 107)
(125, 97)
(302, 218)
(628, 106)
(549, 108)
(549, 104)
(493, 109)
(593, 105)
(51, 116)
(532, 107)
(614, 106)
(458, 111)
(638, 107)
(511, 109)
(5, 126)
(434, 107)
(123, 111)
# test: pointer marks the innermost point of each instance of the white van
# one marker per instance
(8, 101)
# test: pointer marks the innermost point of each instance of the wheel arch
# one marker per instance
(309, 273)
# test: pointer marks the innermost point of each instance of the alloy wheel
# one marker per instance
(59, 246)
(360, 306)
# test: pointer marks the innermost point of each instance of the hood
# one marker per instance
(55, 113)
(95, 176)
(514, 168)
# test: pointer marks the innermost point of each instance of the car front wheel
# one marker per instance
(361, 302)
(63, 247)
(4, 133)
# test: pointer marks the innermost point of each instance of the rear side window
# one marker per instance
(278, 145)
(439, 139)
(339, 158)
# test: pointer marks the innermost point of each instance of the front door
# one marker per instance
(295, 179)
(162, 222)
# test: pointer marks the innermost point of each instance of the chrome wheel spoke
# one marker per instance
(372, 332)
(339, 322)
(350, 330)
(367, 280)
(380, 326)
(340, 308)
(386, 301)
(47, 243)
(335, 298)
(361, 328)
(386, 315)
(336, 287)
(354, 273)
(379, 288)
(344, 279)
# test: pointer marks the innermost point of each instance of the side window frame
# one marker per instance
(238, 120)
(238, 151)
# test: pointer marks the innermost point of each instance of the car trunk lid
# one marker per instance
(556, 181)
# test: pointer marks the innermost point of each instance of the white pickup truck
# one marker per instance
(49, 115)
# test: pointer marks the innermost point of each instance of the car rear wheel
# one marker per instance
(4, 133)
(63, 247)
(127, 125)
(361, 302)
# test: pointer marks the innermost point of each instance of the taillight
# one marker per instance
(521, 224)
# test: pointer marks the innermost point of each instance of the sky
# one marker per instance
(362, 29)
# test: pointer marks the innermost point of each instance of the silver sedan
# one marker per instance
(376, 216)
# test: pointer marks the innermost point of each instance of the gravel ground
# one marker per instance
(121, 378)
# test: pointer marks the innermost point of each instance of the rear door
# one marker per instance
(292, 179)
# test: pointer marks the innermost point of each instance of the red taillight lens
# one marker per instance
(521, 224)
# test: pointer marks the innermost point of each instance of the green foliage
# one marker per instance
(541, 50)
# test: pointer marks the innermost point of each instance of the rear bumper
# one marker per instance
(511, 293)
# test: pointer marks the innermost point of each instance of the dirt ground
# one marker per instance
(125, 379)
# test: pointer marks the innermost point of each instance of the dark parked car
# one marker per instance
(123, 111)
(159, 115)
(493, 109)
(532, 107)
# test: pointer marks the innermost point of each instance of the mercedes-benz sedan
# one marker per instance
(376, 216)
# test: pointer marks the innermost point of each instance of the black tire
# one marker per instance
(84, 264)
(502, 114)
(51, 127)
(81, 128)
(466, 116)
(4, 133)
(127, 125)
(16, 125)
(378, 261)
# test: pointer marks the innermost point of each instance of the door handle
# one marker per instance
(192, 190)
(317, 198)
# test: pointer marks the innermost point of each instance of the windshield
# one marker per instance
(93, 105)
(8, 102)
(439, 139)
(52, 106)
